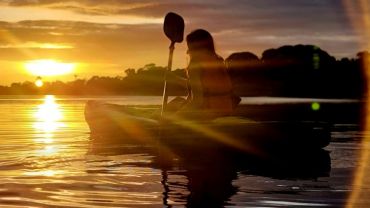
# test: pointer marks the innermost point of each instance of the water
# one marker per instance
(48, 160)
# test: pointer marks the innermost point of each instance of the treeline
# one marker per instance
(298, 71)
(289, 71)
(147, 80)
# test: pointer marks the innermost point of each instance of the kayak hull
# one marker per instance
(111, 123)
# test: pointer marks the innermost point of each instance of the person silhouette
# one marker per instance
(208, 82)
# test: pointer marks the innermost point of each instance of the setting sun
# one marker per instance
(48, 67)
(39, 82)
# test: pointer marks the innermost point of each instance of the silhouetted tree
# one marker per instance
(295, 71)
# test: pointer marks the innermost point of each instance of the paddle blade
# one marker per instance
(173, 27)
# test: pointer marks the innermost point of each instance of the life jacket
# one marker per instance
(217, 86)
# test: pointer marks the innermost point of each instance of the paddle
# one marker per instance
(173, 27)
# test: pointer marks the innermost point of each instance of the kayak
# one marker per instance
(123, 124)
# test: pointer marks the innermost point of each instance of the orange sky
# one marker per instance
(107, 37)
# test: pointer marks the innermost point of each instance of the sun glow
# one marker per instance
(39, 83)
(48, 67)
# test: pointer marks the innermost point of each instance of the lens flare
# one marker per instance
(315, 106)
(358, 12)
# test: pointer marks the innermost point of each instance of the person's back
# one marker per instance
(211, 88)
(216, 86)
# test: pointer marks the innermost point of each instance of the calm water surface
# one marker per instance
(47, 160)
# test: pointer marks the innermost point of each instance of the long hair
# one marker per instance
(200, 42)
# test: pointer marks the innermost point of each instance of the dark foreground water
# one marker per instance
(48, 160)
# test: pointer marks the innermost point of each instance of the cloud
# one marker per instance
(81, 41)
(82, 2)
(108, 36)
(236, 24)
(215, 14)
(34, 45)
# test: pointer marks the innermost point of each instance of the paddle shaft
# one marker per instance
(169, 68)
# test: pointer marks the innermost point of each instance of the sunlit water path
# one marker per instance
(47, 160)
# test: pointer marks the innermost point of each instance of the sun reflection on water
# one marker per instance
(47, 173)
(48, 116)
(48, 121)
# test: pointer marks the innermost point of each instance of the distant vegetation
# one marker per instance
(289, 71)
(297, 71)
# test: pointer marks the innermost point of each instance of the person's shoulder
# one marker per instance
(219, 58)
(219, 61)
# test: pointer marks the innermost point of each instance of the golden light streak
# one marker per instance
(15, 14)
(359, 14)
(54, 46)
(131, 125)
(30, 45)
(48, 67)
(216, 135)
(134, 128)
(13, 40)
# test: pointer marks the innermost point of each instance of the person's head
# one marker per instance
(200, 42)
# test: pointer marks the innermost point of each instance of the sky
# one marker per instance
(105, 37)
